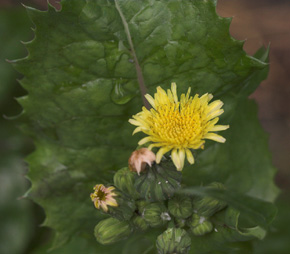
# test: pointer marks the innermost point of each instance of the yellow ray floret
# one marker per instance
(179, 125)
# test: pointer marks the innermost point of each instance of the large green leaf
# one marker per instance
(84, 73)
(16, 218)
(257, 211)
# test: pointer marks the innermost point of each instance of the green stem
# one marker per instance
(140, 77)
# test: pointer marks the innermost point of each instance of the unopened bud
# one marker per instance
(180, 223)
(159, 182)
(124, 180)
(180, 207)
(199, 225)
(112, 230)
(126, 206)
(141, 204)
(140, 223)
(140, 158)
(155, 214)
(173, 240)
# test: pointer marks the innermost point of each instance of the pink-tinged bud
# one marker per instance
(139, 159)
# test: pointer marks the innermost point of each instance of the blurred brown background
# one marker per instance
(264, 22)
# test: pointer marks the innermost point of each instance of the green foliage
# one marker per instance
(82, 76)
(16, 218)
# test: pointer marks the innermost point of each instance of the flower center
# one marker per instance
(101, 195)
(178, 125)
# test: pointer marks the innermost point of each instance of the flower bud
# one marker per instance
(141, 204)
(139, 223)
(126, 206)
(158, 182)
(112, 230)
(124, 180)
(180, 207)
(173, 240)
(155, 214)
(208, 206)
(180, 223)
(199, 225)
(140, 158)
(104, 197)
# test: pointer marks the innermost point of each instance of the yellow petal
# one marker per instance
(151, 146)
(174, 92)
(134, 122)
(160, 153)
(204, 99)
(215, 105)
(111, 188)
(104, 206)
(215, 137)
(138, 129)
(170, 96)
(197, 145)
(144, 141)
(112, 202)
(150, 99)
(181, 155)
(189, 156)
(188, 93)
(175, 159)
(97, 204)
(219, 127)
(210, 96)
(215, 114)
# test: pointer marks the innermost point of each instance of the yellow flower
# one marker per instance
(179, 125)
(102, 197)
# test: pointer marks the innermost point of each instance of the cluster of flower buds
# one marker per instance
(144, 197)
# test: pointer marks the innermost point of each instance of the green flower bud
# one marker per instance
(199, 225)
(173, 241)
(208, 206)
(126, 206)
(155, 214)
(180, 207)
(158, 182)
(141, 204)
(112, 230)
(124, 180)
(140, 223)
(180, 223)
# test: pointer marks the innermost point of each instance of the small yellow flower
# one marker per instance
(102, 197)
(179, 125)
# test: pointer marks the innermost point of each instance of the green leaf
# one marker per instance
(16, 218)
(277, 237)
(256, 211)
(83, 76)
(232, 219)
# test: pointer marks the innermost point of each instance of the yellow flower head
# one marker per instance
(102, 197)
(179, 125)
